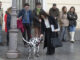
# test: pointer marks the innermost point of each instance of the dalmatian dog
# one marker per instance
(33, 46)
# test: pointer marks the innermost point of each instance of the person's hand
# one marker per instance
(55, 17)
(19, 18)
(40, 20)
(56, 30)
(41, 35)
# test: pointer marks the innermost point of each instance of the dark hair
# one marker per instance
(45, 14)
(26, 4)
(54, 4)
(38, 3)
(72, 8)
(63, 9)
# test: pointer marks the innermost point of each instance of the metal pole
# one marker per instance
(13, 33)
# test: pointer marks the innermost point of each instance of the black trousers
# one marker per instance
(7, 38)
(47, 42)
(27, 27)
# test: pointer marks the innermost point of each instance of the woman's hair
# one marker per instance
(9, 10)
(63, 9)
(44, 14)
(72, 8)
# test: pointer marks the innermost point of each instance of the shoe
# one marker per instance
(50, 53)
(64, 40)
(72, 41)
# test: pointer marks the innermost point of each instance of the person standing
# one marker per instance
(26, 15)
(72, 17)
(1, 22)
(37, 19)
(46, 23)
(64, 22)
(8, 23)
(54, 12)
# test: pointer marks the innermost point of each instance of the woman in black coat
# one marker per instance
(46, 23)
(72, 17)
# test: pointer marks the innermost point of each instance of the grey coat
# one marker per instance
(63, 19)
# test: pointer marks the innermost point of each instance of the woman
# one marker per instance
(46, 23)
(64, 24)
(72, 17)
(8, 23)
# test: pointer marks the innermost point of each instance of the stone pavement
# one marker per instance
(69, 51)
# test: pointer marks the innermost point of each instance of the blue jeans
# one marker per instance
(63, 33)
(0, 34)
(72, 28)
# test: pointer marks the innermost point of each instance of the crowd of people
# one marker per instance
(45, 24)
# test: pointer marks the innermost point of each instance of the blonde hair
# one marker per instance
(9, 10)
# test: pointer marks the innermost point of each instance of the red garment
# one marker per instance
(20, 25)
(5, 20)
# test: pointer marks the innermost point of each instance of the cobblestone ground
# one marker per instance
(69, 51)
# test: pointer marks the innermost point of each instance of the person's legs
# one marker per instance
(51, 50)
(72, 33)
(62, 33)
(28, 27)
(24, 33)
(7, 38)
(65, 33)
(39, 31)
(0, 34)
(36, 32)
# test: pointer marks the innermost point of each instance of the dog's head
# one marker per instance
(35, 40)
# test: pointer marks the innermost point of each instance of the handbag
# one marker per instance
(55, 41)
(20, 25)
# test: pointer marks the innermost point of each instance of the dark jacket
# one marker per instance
(37, 17)
(72, 17)
(8, 21)
(54, 12)
(52, 21)
(22, 13)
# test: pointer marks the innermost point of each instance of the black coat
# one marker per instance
(37, 17)
(72, 17)
(52, 21)
(48, 33)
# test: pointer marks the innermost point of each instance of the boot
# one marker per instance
(72, 37)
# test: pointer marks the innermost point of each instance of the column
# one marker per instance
(12, 52)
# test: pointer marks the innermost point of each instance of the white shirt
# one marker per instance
(47, 24)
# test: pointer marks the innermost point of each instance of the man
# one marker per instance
(54, 12)
(1, 21)
(37, 19)
(26, 15)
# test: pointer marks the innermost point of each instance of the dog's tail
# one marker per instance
(25, 41)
